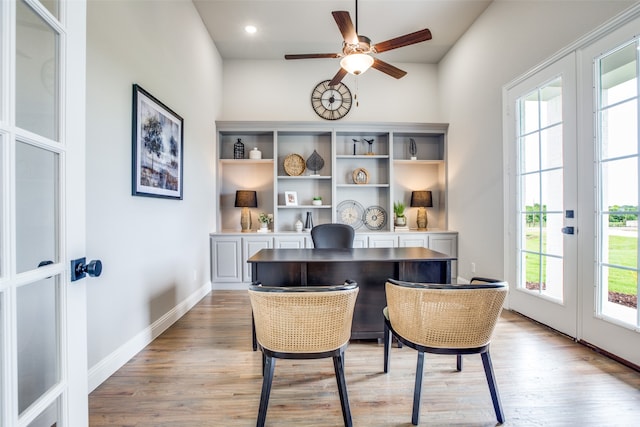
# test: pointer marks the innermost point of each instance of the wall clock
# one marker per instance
(331, 102)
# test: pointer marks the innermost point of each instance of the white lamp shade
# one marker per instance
(356, 63)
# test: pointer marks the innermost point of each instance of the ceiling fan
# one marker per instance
(357, 49)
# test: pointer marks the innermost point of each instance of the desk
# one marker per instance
(369, 267)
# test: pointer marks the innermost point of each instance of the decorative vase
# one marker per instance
(298, 226)
(255, 154)
(308, 225)
(264, 227)
(238, 150)
(316, 202)
(401, 221)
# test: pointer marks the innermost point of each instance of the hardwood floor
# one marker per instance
(202, 372)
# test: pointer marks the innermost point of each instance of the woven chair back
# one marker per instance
(445, 316)
(301, 320)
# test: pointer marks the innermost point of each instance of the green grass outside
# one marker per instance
(622, 251)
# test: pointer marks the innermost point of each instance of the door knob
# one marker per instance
(568, 230)
(79, 268)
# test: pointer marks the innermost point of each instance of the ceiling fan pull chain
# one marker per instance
(355, 94)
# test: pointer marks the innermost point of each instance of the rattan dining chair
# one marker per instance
(444, 319)
(333, 236)
(303, 322)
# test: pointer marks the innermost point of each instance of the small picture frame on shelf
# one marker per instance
(291, 198)
(361, 176)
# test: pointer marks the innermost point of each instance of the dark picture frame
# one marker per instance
(157, 148)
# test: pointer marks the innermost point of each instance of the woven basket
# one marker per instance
(294, 165)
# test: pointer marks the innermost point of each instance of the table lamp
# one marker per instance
(246, 199)
(421, 200)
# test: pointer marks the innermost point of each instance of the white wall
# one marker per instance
(155, 252)
(508, 39)
(281, 90)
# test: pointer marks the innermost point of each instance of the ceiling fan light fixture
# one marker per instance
(356, 63)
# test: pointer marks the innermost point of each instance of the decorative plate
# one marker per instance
(361, 176)
(375, 218)
(351, 213)
(294, 164)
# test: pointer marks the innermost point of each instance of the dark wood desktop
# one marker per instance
(369, 267)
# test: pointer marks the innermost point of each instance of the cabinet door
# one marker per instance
(226, 259)
(413, 241)
(360, 241)
(251, 245)
(383, 241)
(290, 242)
(445, 243)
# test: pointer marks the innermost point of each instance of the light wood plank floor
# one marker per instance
(202, 372)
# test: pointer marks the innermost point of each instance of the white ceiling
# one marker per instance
(307, 26)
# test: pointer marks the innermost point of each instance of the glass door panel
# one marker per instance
(617, 113)
(541, 183)
(37, 338)
(36, 206)
(36, 73)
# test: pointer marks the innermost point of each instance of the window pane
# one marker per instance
(552, 190)
(36, 206)
(619, 294)
(36, 74)
(619, 130)
(37, 337)
(530, 153)
(553, 238)
(552, 277)
(531, 192)
(618, 74)
(52, 6)
(551, 103)
(529, 120)
(619, 184)
(551, 145)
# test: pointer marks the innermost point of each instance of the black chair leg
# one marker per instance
(417, 391)
(493, 387)
(270, 364)
(387, 347)
(338, 365)
(459, 362)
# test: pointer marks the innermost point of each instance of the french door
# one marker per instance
(609, 317)
(542, 151)
(573, 153)
(43, 374)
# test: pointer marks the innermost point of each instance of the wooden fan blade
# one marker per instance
(338, 77)
(312, 55)
(343, 19)
(388, 68)
(406, 40)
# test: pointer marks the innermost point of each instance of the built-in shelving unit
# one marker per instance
(391, 175)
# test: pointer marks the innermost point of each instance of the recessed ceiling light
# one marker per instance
(250, 29)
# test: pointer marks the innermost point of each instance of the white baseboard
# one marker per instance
(226, 286)
(102, 370)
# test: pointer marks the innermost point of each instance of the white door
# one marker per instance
(542, 200)
(42, 129)
(609, 317)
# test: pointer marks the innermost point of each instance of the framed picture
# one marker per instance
(157, 143)
(291, 198)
